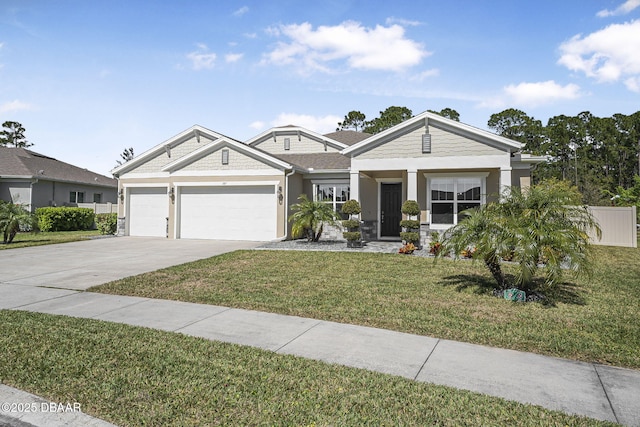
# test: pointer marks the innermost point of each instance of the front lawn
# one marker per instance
(135, 376)
(23, 240)
(591, 320)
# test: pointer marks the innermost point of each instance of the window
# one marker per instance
(334, 194)
(449, 196)
(97, 197)
(76, 197)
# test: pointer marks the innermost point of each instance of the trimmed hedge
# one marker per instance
(107, 223)
(65, 219)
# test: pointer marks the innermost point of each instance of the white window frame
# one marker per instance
(334, 184)
(482, 176)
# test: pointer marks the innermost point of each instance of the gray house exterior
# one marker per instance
(36, 180)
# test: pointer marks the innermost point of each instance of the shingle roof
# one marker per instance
(18, 162)
(348, 137)
(317, 161)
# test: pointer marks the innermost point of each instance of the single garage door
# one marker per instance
(228, 213)
(148, 211)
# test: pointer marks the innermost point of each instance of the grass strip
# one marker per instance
(24, 240)
(593, 320)
(135, 376)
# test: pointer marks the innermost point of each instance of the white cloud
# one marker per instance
(623, 9)
(324, 124)
(404, 22)
(233, 57)
(250, 35)
(532, 94)
(434, 72)
(241, 11)
(16, 105)
(202, 59)
(258, 125)
(606, 55)
(633, 84)
(379, 48)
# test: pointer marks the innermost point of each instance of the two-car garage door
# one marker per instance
(228, 212)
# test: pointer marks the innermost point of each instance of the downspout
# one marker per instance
(286, 202)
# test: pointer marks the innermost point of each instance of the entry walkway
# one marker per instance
(597, 391)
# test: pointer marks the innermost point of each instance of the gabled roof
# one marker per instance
(27, 164)
(194, 131)
(444, 123)
(226, 142)
(348, 137)
(295, 130)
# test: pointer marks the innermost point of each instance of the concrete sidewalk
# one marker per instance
(597, 391)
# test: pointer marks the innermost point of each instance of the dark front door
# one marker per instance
(390, 204)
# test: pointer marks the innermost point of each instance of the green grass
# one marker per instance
(590, 320)
(23, 240)
(134, 376)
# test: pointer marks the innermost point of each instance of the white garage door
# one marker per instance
(228, 213)
(148, 211)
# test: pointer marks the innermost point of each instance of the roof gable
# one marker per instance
(427, 119)
(171, 148)
(300, 140)
(220, 143)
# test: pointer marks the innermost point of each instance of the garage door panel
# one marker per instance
(148, 210)
(228, 213)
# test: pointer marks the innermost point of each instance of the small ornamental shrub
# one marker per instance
(409, 236)
(411, 208)
(107, 223)
(435, 245)
(352, 236)
(407, 249)
(351, 223)
(65, 219)
(351, 207)
(410, 223)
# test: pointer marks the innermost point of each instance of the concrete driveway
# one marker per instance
(80, 265)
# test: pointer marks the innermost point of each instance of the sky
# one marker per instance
(88, 79)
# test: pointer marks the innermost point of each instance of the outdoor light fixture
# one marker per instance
(121, 195)
(172, 194)
(280, 195)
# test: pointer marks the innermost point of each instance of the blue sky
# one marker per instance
(89, 78)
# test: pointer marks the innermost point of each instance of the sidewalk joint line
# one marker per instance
(298, 336)
(18, 307)
(204, 318)
(426, 360)
(119, 308)
(595, 368)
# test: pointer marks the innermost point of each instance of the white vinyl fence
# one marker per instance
(100, 207)
(619, 226)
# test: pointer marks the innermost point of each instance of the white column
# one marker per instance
(505, 178)
(354, 185)
(412, 185)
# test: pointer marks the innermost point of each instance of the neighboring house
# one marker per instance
(37, 180)
(202, 184)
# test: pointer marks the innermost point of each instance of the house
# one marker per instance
(36, 180)
(204, 185)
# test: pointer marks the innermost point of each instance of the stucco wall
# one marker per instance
(16, 191)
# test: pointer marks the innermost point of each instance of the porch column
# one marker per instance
(505, 178)
(354, 185)
(412, 185)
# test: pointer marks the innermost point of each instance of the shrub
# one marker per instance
(65, 219)
(410, 236)
(352, 236)
(351, 223)
(411, 208)
(107, 223)
(410, 223)
(351, 207)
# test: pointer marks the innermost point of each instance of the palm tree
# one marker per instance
(12, 218)
(310, 216)
(542, 227)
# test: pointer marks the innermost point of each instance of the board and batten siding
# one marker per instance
(237, 161)
(304, 146)
(443, 144)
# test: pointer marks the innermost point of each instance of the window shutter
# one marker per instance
(426, 143)
(287, 143)
(225, 157)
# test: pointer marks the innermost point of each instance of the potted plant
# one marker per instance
(352, 225)
(411, 227)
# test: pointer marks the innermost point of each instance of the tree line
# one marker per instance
(599, 155)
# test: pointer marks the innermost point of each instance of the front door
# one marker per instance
(390, 205)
